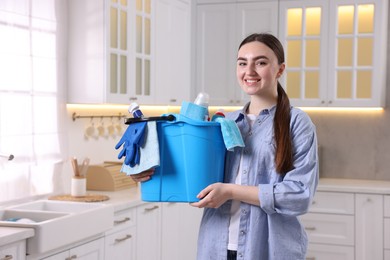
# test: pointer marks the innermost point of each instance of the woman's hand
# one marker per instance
(143, 176)
(214, 195)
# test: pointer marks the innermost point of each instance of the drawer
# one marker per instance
(387, 233)
(387, 206)
(333, 202)
(329, 229)
(121, 245)
(123, 219)
(326, 252)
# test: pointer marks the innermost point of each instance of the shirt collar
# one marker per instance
(266, 111)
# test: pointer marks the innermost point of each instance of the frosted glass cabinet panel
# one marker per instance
(303, 33)
(333, 52)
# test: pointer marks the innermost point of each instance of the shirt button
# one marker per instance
(244, 171)
(244, 211)
(242, 232)
(240, 255)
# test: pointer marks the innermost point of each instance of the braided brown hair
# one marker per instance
(283, 154)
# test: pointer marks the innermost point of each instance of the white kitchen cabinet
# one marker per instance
(148, 231)
(180, 226)
(219, 30)
(120, 241)
(88, 251)
(173, 52)
(369, 226)
(345, 223)
(121, 245)
(386, 228)
(330, 224)
(16, 250)
(110, 51)
(333, 52)
(329, 252)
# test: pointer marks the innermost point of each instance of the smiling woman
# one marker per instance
(32, 65)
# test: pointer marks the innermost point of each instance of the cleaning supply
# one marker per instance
(230, 133)
(198, 110)
(150, 156)
(132, 139)
(135, 110)
(218, 114)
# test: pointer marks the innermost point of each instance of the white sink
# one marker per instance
(59, 223)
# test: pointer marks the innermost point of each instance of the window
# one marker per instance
(32, 100)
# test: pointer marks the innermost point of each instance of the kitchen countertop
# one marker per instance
(354, 185)
(10, 235)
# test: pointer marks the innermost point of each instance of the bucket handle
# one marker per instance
(152, 118)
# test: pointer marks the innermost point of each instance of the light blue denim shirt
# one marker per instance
(270, 231)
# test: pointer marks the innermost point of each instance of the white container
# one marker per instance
(79, 186)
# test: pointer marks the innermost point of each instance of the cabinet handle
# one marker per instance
(132, 98)
(116, 222)
(310, 228)
(122, 239)
(7, 257)
(72, 257)
(310, 258)
(152, 208)
(172, 100)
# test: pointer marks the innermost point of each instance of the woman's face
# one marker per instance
(258, 69)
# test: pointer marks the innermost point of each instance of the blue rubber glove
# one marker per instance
(132, 140)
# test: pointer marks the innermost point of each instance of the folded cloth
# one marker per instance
(193, 111)
(230, 133)
(149, 153)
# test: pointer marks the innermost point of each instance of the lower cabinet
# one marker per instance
(15, 250)
(180, 225)
(91, 250)
(121, 245)
(348, 226)
(149, 231)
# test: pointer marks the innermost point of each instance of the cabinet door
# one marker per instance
(220, 30)
(121, 245)
(14, 251)
(216, 52)
(303, 30)
(148, 231)
(369, 226)
(173, 53)
(327, 252)
(180, 227)
(356, 62)
(256, 17)
(90, 251)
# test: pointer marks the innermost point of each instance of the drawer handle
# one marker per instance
(310, 258)
(116, 222)
(7, 257)
(118, 240)
(152, 208)
(310, 228)
(72, 257)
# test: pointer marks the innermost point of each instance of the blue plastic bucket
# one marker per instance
(192, 156)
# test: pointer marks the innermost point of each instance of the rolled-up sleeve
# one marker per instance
(294, 192)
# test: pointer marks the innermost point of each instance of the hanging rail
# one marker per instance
(76, 116)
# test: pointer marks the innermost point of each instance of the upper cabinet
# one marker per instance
(120, 51)
(334, 52)
(220, 27)
(173, 52)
